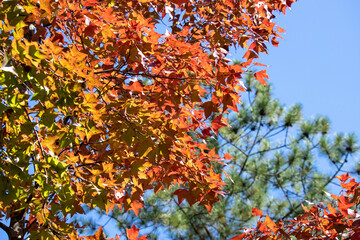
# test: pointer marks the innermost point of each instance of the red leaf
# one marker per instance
(181, 194)
(274, 42)
(206, 132)
(58, 37)
(343, 177)
(90, 3)
(256, 212)
(209, 108)
(179, 2)
(260, 76)
(355, 236)
(238, 237)
(90, 30)
(229, 102)
(218, 123)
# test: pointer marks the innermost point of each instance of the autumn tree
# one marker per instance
(80, 126)
(275, 166)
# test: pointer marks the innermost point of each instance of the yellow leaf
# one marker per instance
(46, 5)
(108, 167)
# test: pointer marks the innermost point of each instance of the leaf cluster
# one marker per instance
(97, 107)
(273, 161)
(325, 220)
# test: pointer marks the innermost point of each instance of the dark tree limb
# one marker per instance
(5, 228)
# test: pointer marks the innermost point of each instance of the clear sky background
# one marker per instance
(318, 62)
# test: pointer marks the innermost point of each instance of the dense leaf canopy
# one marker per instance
(276, 164)
(96, 106)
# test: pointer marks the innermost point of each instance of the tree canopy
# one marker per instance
(97, 106)
(274, 161)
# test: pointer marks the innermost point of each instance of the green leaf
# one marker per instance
(128, 136)
(48, 119)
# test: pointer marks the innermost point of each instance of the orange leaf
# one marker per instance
(132, 233)
(343, 177)
(331, 209)
(108, 167)
(249, 55)
(99, 233)
(305, 208)
(134, 86)
(280, 30)
(208, 207)
(260, 76)
(227, 156)
(218, 123)
(46, 5)
(344, 205)
(270, 224)
(136, 206)
(256, 212)
(260, 64)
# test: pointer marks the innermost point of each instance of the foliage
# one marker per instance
(79, 123)
(276, 164)
(338, 219)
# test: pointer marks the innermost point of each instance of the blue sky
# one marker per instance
(318, 61)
